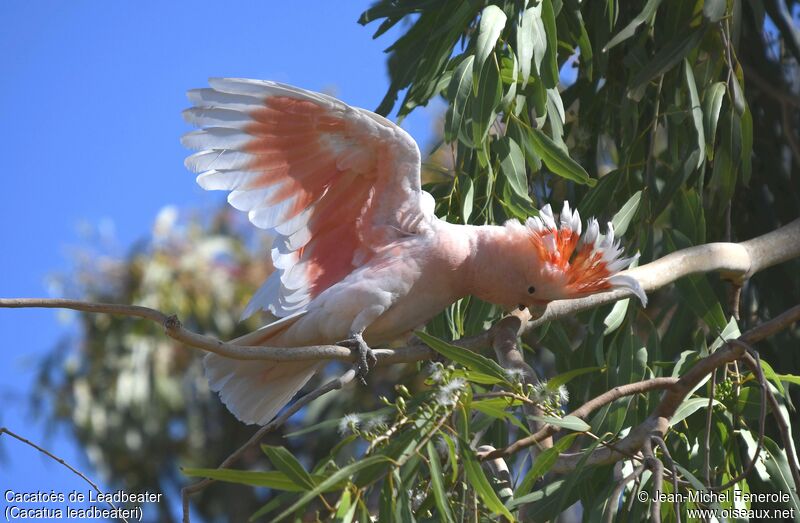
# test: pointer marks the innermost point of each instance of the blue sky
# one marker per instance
(90, 105)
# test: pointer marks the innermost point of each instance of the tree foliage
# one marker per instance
(675, 120)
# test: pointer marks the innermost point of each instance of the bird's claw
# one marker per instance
(366, 356)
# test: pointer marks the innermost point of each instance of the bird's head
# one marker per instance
(546, 258)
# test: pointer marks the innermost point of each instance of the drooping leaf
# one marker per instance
(458, 92)
(629, 30)
(477, 479)
(512, 166)
(623, 217)
(437, 484)
(696, 108)
(493, 20)
(531, 41)
(341, 475)
(689, 407)
(714, 10)
(557, 160)
(712, 103)
(666, 58)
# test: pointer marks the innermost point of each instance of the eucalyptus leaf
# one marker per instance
(512, 165)
(458, 93)
(557, 160)
(493, 20)
(629, 30)
(477, 479)
(712, 103)
(531, 40)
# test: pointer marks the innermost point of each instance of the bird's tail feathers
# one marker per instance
(255, 391)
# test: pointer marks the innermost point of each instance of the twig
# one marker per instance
(173, 328)
(658, 421)
(5, 430)
(583, 411)
(657, 469)
(334, 384)
(673, 471)
(709, 416)
(613, 501)
(753, 360)
(783, 427)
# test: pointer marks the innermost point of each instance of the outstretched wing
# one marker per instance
(334, 183)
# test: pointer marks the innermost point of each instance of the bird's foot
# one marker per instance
(366, 356)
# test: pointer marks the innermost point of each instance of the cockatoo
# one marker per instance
(358, 253)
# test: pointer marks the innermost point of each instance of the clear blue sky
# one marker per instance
(90, 103)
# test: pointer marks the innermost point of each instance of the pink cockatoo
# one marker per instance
(358, 253)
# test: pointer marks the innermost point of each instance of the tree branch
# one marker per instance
(736, 261)
(84, 477)
(658, 421)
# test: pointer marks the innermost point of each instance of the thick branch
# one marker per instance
(173, 328)
(735, 260)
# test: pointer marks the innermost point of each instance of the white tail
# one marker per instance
(255, 391)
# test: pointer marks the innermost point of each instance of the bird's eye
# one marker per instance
(531, 289)
(521, 307)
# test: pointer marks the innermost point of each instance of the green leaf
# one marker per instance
(338, 477)
(666, 58)
(495, 408)
(531, 41)
(697, 111)
(487, 99)
(284, 461)
(493, 20)
(629, 30)
(476, 377)
(458, 93)
(467, 194)
(567, 422)
(478, 480)
(557, 160)
(623, 217)
(712, 103)
(346, 509)
(271, 505)
(616, 316)
(714, 10)
(467, 358)
(771, 375)
(272, 479)
(779, 471)
(791, 378)
(544, 462)
(439, 493)
(689, 407)
(549, 71)
(512, 165)
(562, 379)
